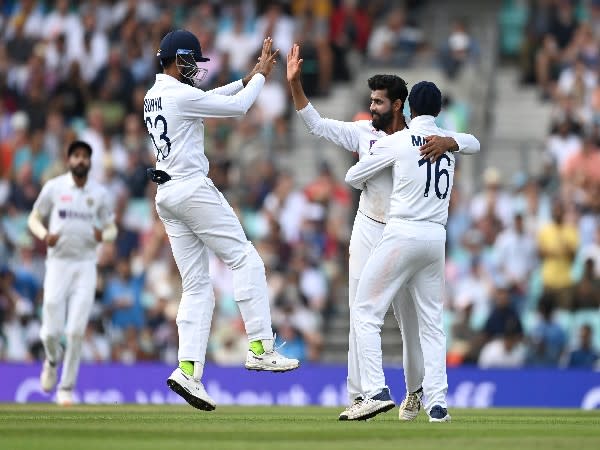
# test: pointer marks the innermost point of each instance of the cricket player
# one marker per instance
(388, 93)
(410, 255)
(195, 214)
(79, 218)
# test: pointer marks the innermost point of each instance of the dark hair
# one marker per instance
(166, 62)
(77, 145)
(394, 85)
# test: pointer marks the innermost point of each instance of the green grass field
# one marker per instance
(49, 427)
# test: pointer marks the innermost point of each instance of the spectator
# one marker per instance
(287, 206)
(548, 339)
(506, 351)
(584, 356)
(459, 50)
(349, 30)
(503, 316)
(586, 293)
(563, 143)
(239, 43)
(558, 242)
(516, 256)
(592, 251)
(582, 167)
(394, 42)
(493, 200)
(123, 297)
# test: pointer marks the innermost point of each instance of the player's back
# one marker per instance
(177, 135)
(421, 188)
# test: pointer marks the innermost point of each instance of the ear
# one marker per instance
(397, 105)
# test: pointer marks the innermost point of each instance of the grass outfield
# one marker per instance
(49, 427)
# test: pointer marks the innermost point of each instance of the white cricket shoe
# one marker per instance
(370, 407)
(48, 376)
(439, 414)
(270, 360)
(348, 411)
(64, 397)
(191, 389)
(411, 405)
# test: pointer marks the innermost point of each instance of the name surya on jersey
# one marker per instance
(152, 104)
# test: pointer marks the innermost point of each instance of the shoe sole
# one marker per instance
(194, 401)
(370, 415)
(445, 419)
(275, 369)
(407, 419)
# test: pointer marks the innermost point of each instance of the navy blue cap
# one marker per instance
(180, 42)
(425, 99)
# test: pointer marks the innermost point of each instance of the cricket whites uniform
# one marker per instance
(410, 255)
(368, 228)
(195, 214)
(70, 281)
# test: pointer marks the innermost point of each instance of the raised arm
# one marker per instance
(230, 89)
(196, 103)
(210, 104)
(340, 133)
(369, 165)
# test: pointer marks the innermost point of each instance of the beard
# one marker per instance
(382, 121)
(80, 171)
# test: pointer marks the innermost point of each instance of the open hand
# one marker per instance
(267, 60)
(294, 63)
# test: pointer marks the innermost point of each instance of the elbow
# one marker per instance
(352, 181)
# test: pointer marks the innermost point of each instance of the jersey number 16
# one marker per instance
(438, 174)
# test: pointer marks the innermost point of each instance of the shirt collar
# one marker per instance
(166, 78)
(423, 120)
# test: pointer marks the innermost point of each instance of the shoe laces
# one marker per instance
(412, 401)
(357, 403)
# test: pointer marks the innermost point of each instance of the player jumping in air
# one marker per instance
(195, 214)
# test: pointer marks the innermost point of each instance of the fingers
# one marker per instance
(274, 55)
(266, 48)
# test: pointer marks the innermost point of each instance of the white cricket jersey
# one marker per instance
(173, 113)
(73, 213)
(359, 137)
(421, 189)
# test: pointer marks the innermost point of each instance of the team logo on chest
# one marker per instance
(90, 201)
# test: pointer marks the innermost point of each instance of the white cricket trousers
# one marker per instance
(366, 233)
(197, 218)
(409, 255)
(69, 291)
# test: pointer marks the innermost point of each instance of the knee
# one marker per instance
(432, 329)
(248, 257)
(50, 335)
(364, 317)
(197, 284)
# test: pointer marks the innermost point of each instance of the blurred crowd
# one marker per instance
(523, 266)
